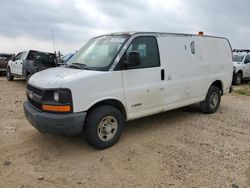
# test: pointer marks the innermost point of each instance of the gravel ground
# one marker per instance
(180, 148)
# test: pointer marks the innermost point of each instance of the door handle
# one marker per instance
(162, 74)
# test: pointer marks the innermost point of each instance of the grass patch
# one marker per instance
(243, 91)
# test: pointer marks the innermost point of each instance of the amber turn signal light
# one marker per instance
(52, 108)
(201, 33)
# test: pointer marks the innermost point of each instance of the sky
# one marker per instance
(29, 24)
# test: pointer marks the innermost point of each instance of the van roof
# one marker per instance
(159, 33)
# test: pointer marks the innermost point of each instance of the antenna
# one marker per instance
(53, 41)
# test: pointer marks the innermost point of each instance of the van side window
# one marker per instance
(192, 47)
(147, 50)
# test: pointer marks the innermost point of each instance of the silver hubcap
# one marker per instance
(214, 100)
(107, 128)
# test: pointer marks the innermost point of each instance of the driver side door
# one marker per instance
(143, 83)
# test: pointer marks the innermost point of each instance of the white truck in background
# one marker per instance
(26, 63)
(241, 66)
(119, 77)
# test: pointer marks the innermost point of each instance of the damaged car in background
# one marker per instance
(25, 64)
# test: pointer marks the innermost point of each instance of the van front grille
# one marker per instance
(34, 96)
(35, 104)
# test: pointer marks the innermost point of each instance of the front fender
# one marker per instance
(105, 99)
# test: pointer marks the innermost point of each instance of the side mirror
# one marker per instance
(13, 58)
(133, 59)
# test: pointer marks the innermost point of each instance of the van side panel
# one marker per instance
(192, 64)
(185, 76)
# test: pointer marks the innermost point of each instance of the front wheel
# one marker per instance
(212, 101)
(9, 75)
(103, 127)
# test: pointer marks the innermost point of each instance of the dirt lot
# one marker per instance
(181, 148)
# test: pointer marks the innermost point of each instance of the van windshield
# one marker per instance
(98, 53)
(238, 58)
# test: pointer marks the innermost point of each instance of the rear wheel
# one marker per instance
(212, 101)
(9, 75)
(237, 79)
(103, 127)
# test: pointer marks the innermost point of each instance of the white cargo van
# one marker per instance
(118, 77)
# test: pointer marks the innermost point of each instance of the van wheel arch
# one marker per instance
(111, 102)
(218, 84)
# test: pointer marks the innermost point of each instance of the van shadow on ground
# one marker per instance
(132, 129)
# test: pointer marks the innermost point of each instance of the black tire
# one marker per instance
(212, 101)
(96, 130)
(237, 79)
(27, 77)
(9, 75)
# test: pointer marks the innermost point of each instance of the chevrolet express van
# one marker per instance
(119, 77)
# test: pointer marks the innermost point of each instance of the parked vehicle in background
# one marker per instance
(67, 57)
(62, 61)
(25, 64)
(241, 66)
(4, 58)
(123, 76)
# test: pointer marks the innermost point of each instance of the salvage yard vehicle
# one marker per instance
(119, 77)
(4, 58)
(62, 61)
(27, 63)
(241, 66)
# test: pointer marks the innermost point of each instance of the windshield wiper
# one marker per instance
(83, 66)
(79, 66)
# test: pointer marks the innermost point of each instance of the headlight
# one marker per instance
(60, 96)
(57, 101)
(56, 96)
(234, 68)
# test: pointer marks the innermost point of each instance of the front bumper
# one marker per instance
(59, 124)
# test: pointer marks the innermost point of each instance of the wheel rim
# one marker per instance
(214, 99)
(107, 128)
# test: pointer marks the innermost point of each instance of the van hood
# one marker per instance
(55, 77)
